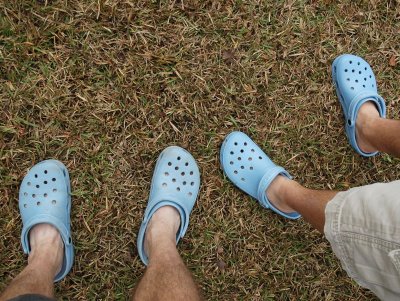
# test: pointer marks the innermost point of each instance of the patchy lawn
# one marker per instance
(105, 85)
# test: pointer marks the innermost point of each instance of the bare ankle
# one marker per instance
(161, 230)
(366, 119)
(276, 193)
(47, 248)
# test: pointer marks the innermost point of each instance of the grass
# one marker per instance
(105, 85)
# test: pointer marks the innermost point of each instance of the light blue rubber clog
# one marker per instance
(355, 84)
(176, 182)
(250, 169)
(45, 197)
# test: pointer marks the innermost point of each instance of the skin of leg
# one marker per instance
(166, 276)
(288, 196)
(375, 133)
(372, 132)
(44, 262)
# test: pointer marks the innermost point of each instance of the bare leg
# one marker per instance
(288, 196)
(44, 262)
(375, 133)
(166, 277)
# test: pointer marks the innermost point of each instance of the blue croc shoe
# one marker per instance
(176, 182)
(250, 169)
(355, 84)
(45, 198)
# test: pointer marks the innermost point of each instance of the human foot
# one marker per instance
(251, 170)
(46, 246)
(45, 200)
(275, 193)
(174, 189)
(162, 229)
(356, 88)
(366, 116)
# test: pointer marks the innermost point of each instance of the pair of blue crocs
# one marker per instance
(45, 195)
(250, 169)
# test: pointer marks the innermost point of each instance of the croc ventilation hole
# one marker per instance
(360, 72)
(184, 173)
(45, 195)
(243, 165)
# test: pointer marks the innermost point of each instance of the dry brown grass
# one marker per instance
(105, 85)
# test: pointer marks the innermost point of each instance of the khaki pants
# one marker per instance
(363, 228)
